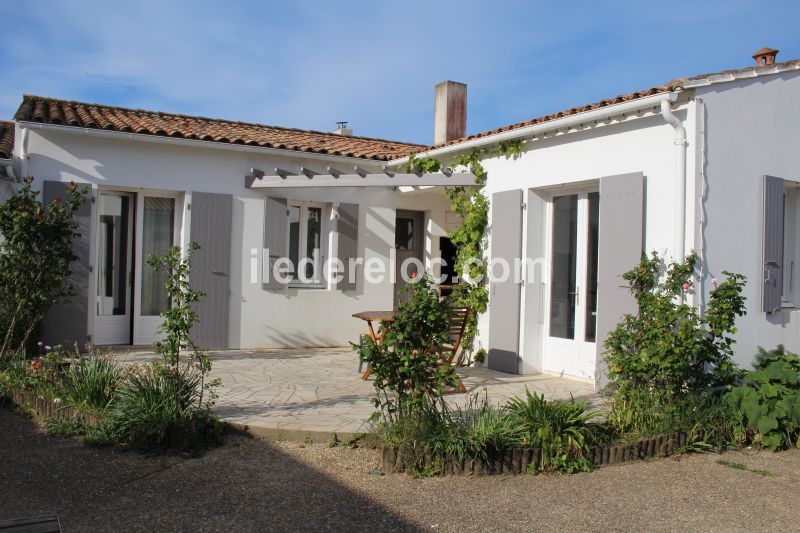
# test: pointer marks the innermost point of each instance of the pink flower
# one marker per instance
(714, 281)
(40, 344)
(413, 275)
(686, 286)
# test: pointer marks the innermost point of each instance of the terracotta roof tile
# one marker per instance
(673, 85)
(83, 115)
(6, 139)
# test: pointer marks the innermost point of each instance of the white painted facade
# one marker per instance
(258, 318)
(736, 132)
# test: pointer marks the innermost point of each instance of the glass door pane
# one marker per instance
(313, 242)
(158, 225)
(563, 286)
(593, 224)
(112, 255)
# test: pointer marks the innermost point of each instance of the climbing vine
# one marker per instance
(472, 206)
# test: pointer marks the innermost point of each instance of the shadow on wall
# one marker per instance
(298, 338)
(245, 485)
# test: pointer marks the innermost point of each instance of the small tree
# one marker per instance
(35, 256)
(667, 348)
(180, 316)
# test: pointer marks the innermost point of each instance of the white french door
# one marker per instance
(572, 295)
(156, 230)
(112, 321)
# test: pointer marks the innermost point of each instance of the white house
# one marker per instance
(709, 163)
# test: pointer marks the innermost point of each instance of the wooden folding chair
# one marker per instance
(457, 325)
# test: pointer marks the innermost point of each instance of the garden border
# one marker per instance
(517, 460)
(45, 408)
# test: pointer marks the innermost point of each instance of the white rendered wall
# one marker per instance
(752, 128)
(259, 318)
(642, 144)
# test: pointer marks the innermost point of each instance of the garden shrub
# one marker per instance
(407, 371)
(667, 347)
(91, 382)
(159, 407)
(561, 430)
(769, 399)
(35, 256)
(167, 404)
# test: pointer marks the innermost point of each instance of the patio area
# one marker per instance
(311, 393)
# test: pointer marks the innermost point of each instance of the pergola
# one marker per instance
(356, 177)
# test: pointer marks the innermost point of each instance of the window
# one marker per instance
(306, 243)
(791, 250)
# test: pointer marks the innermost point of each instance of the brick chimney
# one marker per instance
(765, 56)
(450, 112)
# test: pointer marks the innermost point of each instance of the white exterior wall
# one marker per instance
(752, 128)
(258, 318)
(638, 144)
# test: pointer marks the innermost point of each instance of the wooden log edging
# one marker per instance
(46, 408)
(518, 460)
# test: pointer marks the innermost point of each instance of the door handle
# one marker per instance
(218, 273)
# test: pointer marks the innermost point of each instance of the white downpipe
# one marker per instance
(23, 153)
(680, 178)
(600, 115)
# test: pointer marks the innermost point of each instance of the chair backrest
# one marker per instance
(457, 324)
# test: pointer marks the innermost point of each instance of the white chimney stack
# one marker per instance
(342, 129)
(450, 112)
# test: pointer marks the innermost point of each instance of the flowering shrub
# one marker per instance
(667, 346)
(35, 256)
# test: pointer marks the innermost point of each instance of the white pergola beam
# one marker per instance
(365, 179)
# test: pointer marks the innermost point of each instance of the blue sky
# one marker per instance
(310, 64)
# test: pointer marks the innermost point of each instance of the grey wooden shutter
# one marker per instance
(772, 277)
(68, 323)
(276, 239)
(504, 297)
(535, 283)
(347, 229)
(620, 247)
(211, 221)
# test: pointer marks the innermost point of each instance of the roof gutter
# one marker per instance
(196, 143)
(602, 113)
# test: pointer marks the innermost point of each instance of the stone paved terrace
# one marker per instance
(313, 392)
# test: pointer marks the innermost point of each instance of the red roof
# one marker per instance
(112, 118)
(6, 139)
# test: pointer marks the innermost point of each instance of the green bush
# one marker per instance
(667, 347)
(90, 383)
(162, 408)
(35, 256)
(642, 414)
(471, 432)
(562, 430)
(769, 399)
(407, 371)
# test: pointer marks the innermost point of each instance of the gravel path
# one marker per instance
(252, 485)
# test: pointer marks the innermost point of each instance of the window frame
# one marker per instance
(791, 250)
(321, 279)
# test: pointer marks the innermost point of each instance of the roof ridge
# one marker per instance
(211, 119)
(672, 85)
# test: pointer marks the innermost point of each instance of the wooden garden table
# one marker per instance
(377, 336)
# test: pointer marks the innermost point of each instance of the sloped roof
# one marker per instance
(673, 85)
(112, 118)
(6, 139)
